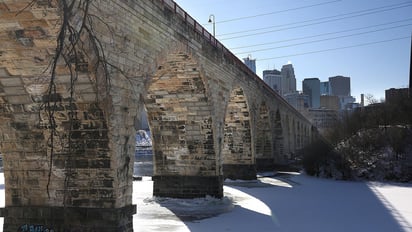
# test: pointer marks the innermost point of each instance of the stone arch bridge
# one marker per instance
(75, 76)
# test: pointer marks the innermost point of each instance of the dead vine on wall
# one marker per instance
(78, 50)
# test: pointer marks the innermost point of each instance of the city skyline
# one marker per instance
(369, 42)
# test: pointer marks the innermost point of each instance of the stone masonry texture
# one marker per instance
(207, 112)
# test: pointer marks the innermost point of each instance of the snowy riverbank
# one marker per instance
(287, 203)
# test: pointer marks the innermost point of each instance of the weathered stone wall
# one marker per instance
(86, 160)
(24, 52)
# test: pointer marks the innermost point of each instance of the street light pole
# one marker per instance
(410, 73)
(212, 20)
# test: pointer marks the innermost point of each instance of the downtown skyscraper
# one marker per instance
(283, 82)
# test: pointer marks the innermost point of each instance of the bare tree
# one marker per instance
(370, 99)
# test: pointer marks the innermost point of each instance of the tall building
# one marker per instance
(322, 119)
(288, 79)
(274, 79)
(329, 102)
(339, 86)
(346, 102)
(251, 63)
(311, 87)
(283, 82)
(324, 88)
(362, 103)
(298, 100)
(393, 95)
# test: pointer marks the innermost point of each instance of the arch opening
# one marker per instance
(143, 164)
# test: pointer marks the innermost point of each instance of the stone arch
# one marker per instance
(263, 140)
(237, 155)
(179, 117)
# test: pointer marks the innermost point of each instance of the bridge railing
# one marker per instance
(214, 42)
(191, 21)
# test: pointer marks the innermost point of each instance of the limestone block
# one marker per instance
(11, 82)
(19, 99)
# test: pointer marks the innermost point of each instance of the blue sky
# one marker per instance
(367, 40)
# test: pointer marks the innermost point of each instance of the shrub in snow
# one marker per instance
(379, 154)
(319, 159)
(374, 154)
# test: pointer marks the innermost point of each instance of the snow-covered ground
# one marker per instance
(287, 202)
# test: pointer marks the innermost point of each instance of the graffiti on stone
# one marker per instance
(34, 228)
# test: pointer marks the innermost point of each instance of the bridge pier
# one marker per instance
(54, 219)
(265, 164)
(188, 186)
(239, 171)
(89, 183)
(88, 187)
(67, 139)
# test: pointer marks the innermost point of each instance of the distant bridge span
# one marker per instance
(73, 86)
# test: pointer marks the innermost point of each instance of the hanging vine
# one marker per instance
(76, 44)
(78, 50)
(75, 41)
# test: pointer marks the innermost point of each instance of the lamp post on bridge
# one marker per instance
(212, 20)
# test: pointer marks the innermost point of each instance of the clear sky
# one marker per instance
(367, 40)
